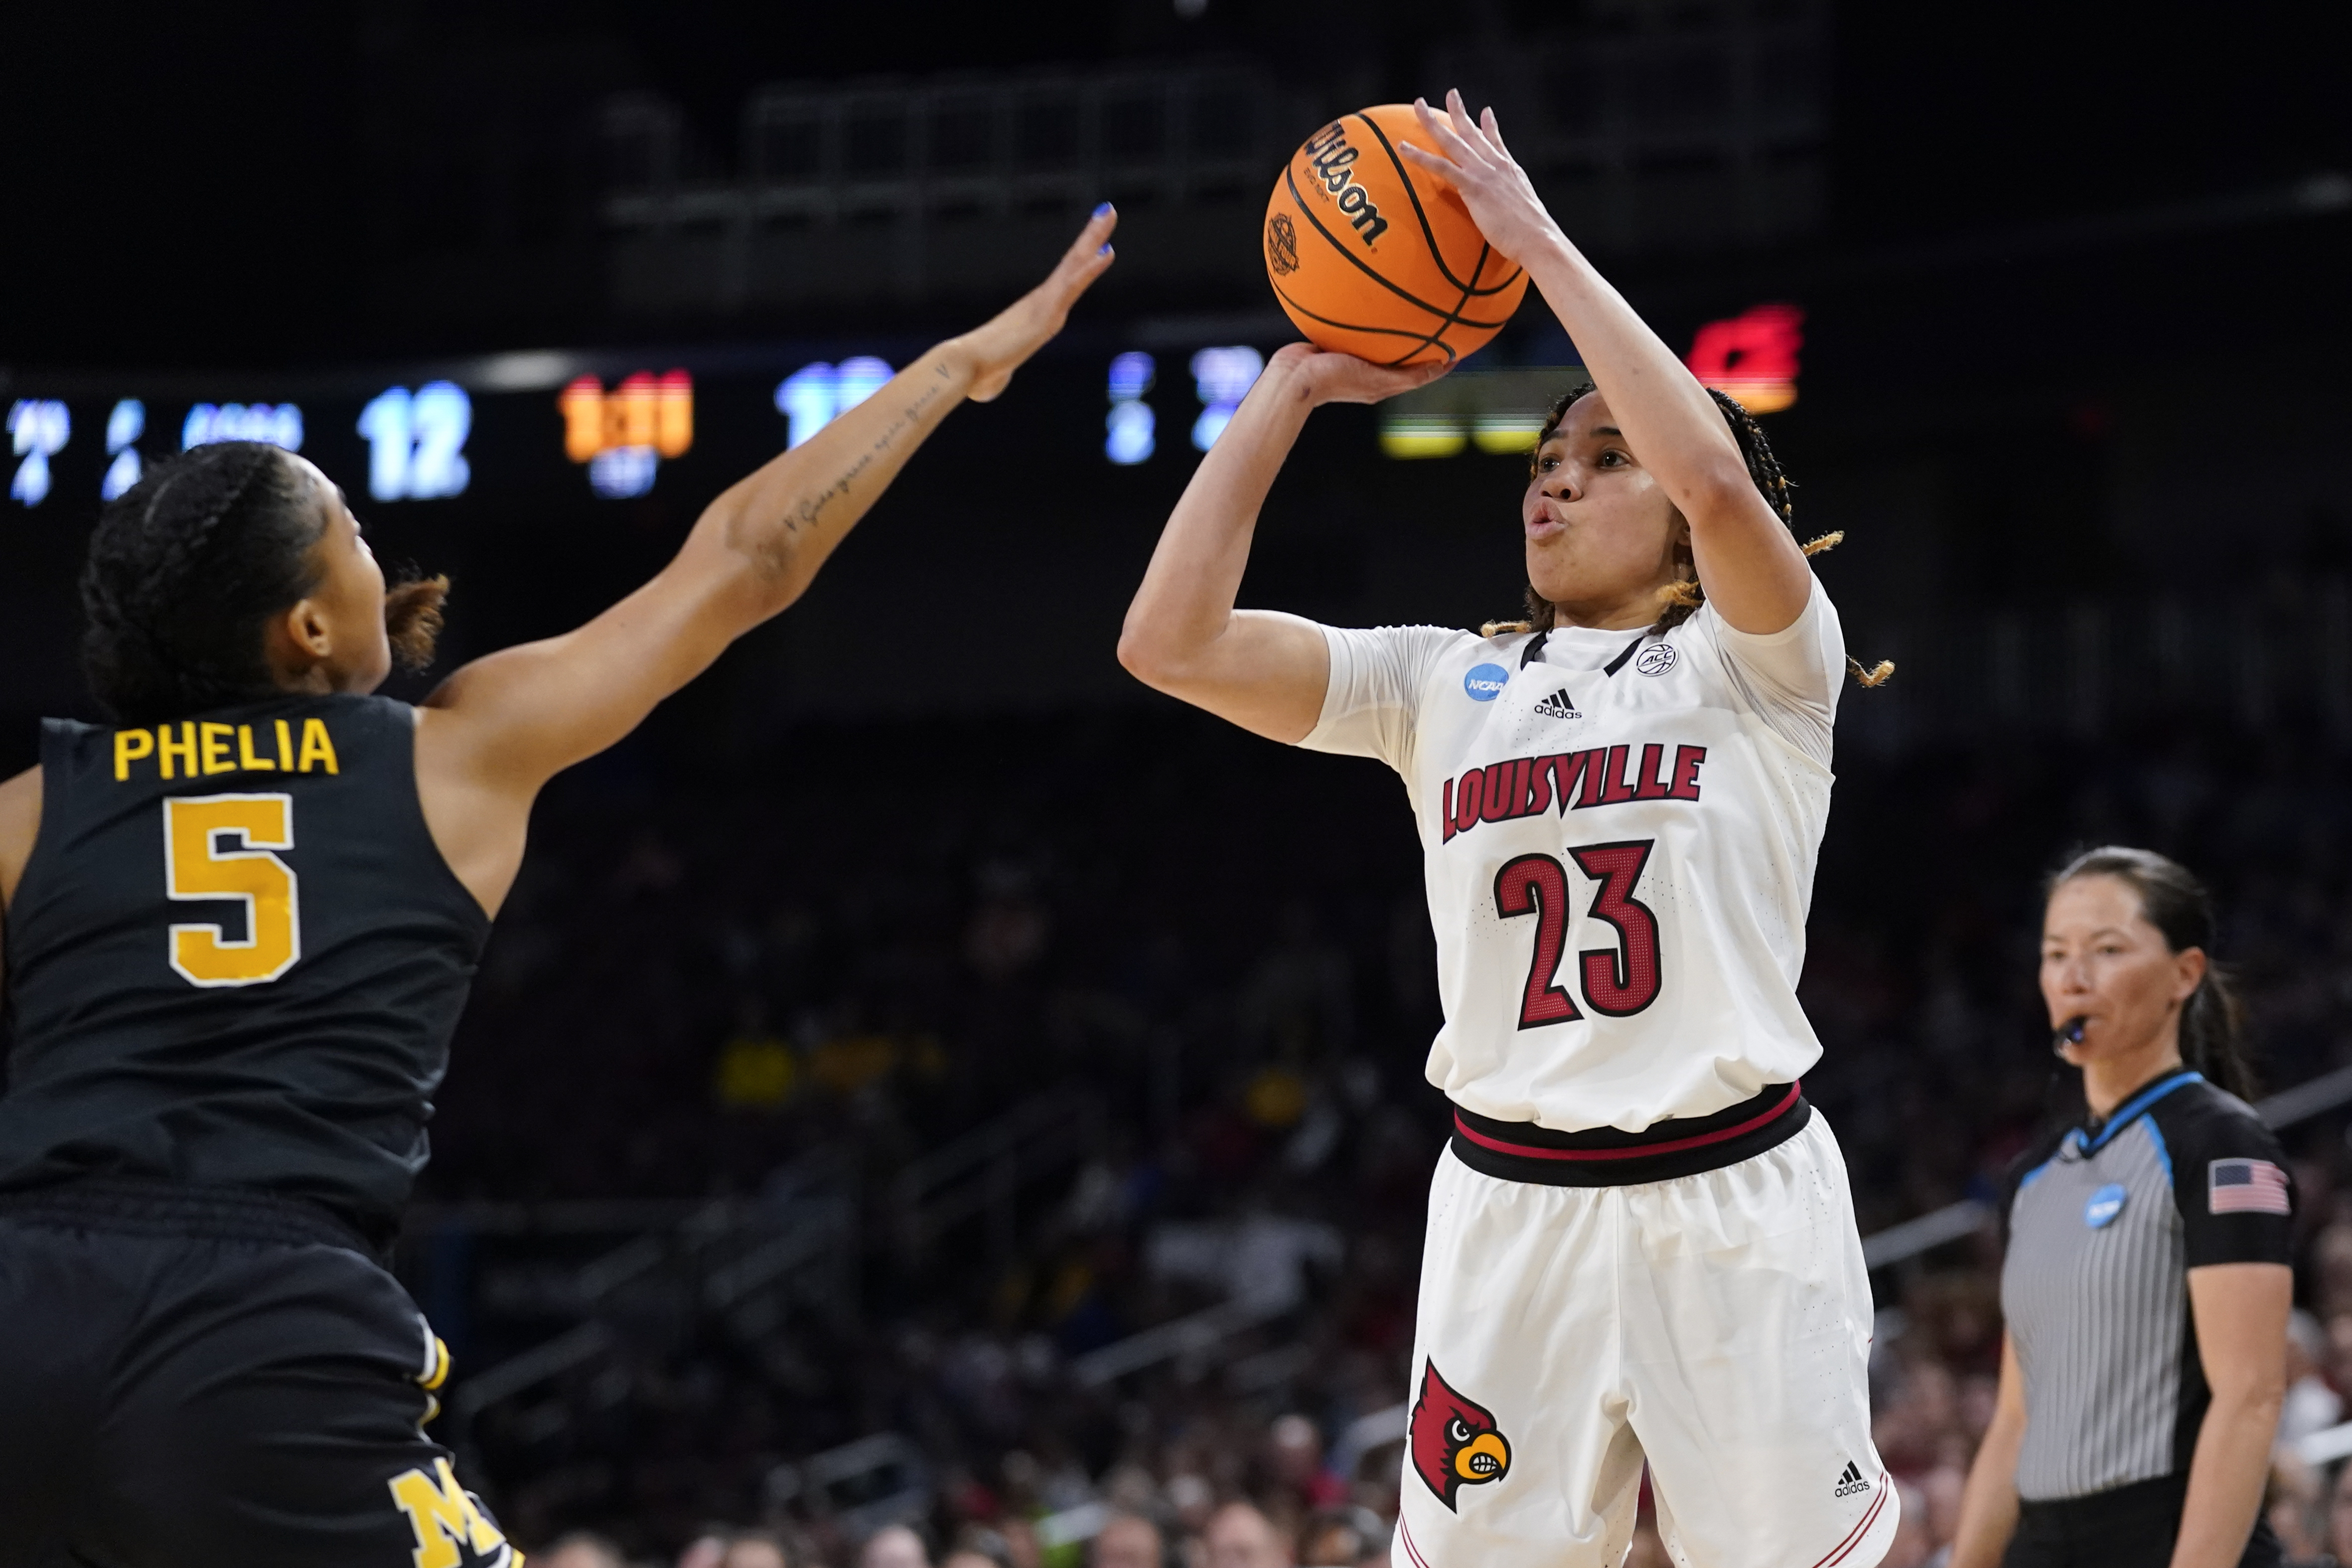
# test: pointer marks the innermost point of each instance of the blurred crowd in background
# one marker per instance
(873, 939)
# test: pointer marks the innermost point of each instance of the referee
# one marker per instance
(2147, 1283)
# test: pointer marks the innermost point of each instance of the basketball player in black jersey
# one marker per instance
(240, 925)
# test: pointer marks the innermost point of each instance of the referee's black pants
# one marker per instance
(2130, 1527)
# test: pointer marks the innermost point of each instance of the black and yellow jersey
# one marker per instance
(234, 958)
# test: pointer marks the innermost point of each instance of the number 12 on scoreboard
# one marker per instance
(416, 441)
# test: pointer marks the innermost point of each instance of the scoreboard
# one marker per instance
(428, 439)
(609, 430)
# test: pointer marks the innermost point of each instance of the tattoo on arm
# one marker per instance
(770, 543)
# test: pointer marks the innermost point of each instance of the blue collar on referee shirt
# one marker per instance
(2131, 1111)
(2082, 1146)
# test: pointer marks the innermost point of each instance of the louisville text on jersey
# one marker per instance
(1604, 776)
(201, 748)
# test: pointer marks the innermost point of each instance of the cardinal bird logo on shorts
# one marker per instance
(1456, 1442)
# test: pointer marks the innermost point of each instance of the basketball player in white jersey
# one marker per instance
(1641, 1241)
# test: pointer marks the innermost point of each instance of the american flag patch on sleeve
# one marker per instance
(2245, 1186)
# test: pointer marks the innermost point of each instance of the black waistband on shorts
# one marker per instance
(1608, 1156)
(148, 1206)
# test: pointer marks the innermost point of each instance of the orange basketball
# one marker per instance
(1374, 257)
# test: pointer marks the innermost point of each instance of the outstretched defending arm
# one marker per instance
(1753, 572)
(498, 728)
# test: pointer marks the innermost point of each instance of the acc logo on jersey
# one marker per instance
(1455, 1441)
(2105, 1205)
(1656, 659)
(1484, 683)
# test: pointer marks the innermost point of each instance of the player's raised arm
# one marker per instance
(1749, 565)
(501, 727)
(1261, 670)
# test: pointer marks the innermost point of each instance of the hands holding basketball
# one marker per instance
(1471, 157)
(1322, 376)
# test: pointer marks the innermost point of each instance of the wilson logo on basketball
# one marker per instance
(1456, 1442)
(1282, 245)
(1331, 153)
(1371, 258)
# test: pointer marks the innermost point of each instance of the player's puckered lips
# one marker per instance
(1456, 1442)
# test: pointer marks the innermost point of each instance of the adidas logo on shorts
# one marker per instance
(1851, 1481)
(1556, 705)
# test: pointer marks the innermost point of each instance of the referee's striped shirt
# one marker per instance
(2104, 1220)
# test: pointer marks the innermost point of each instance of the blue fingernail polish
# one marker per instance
(1104, 251)
(1101, 210)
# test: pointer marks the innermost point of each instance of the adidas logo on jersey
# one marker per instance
(1556, 705)
(1851, 1481)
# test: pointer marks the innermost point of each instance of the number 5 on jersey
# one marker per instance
(198, 870)
(1617, 981)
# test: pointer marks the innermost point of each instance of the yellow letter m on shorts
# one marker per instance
(452, 1531)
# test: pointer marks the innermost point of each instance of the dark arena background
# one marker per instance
(923, 1077)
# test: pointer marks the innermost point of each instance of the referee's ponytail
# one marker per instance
(2213, 1022)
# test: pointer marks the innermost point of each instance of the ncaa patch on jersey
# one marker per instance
(2105, 1205)
(1484, 683)
(1656, 659)
(2245, 1186)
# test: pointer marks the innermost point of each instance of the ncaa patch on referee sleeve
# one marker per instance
(2245, 1186)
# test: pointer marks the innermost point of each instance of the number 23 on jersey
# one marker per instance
(217, 849)
(1617, 981)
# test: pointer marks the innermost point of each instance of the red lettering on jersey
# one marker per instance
(1596, 777)
(1686, 761)
(1560, 773)
(1494, 784)
(1521, 771)
(1573, 780)
(1651, 784)
(1494, 792)
(1535, 785)
(1616, 780)
(1503, 780)
(1465, 799)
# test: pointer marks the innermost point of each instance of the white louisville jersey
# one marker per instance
(1619, 832)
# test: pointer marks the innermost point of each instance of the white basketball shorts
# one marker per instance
(1716, 1324)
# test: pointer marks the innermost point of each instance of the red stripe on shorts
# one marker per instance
(1844, 1549)
(1532, 1152)
(1411, 1549)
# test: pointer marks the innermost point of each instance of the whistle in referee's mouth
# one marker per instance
(2068, 1033)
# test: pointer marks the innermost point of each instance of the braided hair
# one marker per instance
(1679, 598)
(186, 566)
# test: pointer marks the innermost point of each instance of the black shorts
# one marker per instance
(192, 1378)
(2130, 1527)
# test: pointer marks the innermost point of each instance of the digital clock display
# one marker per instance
(429, 439)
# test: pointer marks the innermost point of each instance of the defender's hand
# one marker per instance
(1471, 157)
(998, 347)
(1321, 376)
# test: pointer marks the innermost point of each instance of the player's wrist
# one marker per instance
(962, 360)
(1289, 383)
(1547, 249)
